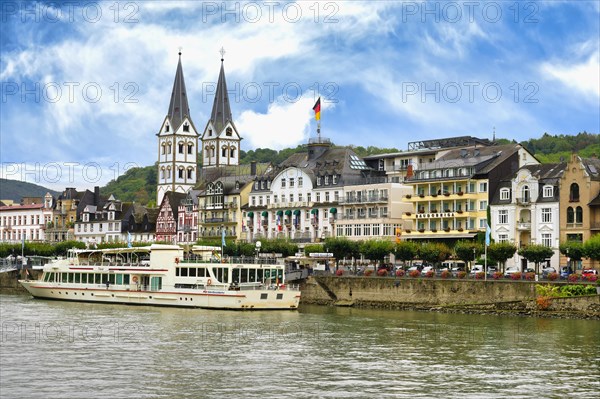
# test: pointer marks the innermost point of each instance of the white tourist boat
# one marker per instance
(160, 275)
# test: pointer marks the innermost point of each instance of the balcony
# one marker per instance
(524, 201)
(524, 226)
(225, 205)
(595, 226)
(365, 199)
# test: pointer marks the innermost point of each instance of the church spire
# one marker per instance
(221, 111)
(178, 108)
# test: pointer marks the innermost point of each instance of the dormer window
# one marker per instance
(326, 180)
(504, 194)
(319, 181)
(548, 192)
(283, 183)
(186, 127)
(334, 179)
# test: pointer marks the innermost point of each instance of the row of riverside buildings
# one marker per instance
(436, 190)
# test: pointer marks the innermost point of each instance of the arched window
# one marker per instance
(190, 148)
(162, 173)
(212, 151)
(168, 172)
(186, 127)
(574, 192)
(168, 147)
(163, 149)
(579, 215)
(232, 152)
(570, 215)
(180, 172)
(167, 127)
(228, 132)
(190, 173)
(525, 193)
(207, 152)
(224, 152)
(180, 147)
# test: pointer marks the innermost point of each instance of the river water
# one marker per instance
(53, 349)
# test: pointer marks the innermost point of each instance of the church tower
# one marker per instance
(220, 140)
(177, 142)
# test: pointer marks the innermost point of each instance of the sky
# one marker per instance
(85, 85)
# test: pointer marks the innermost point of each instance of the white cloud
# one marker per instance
(285, 124)
(583, 77)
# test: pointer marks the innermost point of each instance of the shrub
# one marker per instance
(577, 290)
(479, 275)
(592, 278)
(339, 272)
(530, 276)
(547, 290)
(462, 274)
(573, 277)
(382, 272)
(368, 272)
(430, 274)
(414, 273)
(552, 276)
(400, 273)
(446, 274)
(516, 276)
(543, 302)
(497, 275)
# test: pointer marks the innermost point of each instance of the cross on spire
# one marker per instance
(222, 51)
(180, 48)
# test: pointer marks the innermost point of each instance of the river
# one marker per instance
(53, 349)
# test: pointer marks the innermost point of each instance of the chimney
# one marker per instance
(96, 195)
(253, 168)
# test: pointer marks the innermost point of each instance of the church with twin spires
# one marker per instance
(178, 138)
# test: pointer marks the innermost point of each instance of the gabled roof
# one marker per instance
(175, 199)
(178, 108)
(592, 167)
(241, 173)
(546, 170)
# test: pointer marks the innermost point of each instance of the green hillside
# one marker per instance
(15, 190)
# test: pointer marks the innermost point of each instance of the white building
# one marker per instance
(525, 210)
(26, 221)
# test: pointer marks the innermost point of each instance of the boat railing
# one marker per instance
(236, 260)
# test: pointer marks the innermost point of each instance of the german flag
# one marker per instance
(317, 109)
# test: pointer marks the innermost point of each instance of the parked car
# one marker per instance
(547, 270)
(510, 271)
(585, 273)
(491, 270)
(475, 269)
(455, 270)
(565, 271)
(426, 270)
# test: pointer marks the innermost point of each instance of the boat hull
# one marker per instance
(207, 299)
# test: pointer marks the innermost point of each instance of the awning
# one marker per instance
(265, 214)
(288, 212)
(279, 213)
(250, 214)
(333, 210)
(297, 212)
(421, 236)
(314, 211)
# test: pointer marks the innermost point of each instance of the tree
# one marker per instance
(309, 248)
(536, 253)
(341, 247)
(500, 252)
(467, 251)
(573, 250)
(591, 248)
(376, 249)
(434, 252)
(406, 250)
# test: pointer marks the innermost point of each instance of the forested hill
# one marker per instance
(15, 190)
(550, 149)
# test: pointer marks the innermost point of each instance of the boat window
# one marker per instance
(192, 272)
(183, 271)
(77, 277)
(46, 276)
(126, 279)
(243, 276)
(201, 272)
(119, 279)
(235, 276)
(177, 272)
(84, 278)
(70, 277)
(279, 296)
(64, 277)
(111, 278)
(259, 275)
(264, 296)
(252, 275)
(98, 278)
